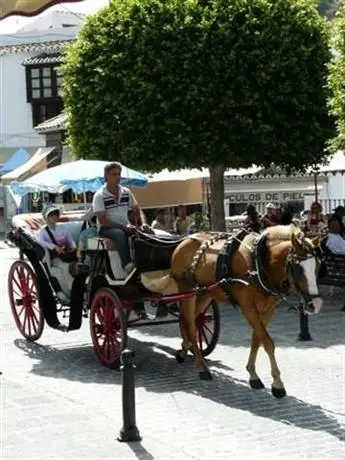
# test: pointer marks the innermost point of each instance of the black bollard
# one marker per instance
(129, 431)
(304, 334)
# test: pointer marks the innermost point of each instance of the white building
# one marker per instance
(30, 83)
(296, 192)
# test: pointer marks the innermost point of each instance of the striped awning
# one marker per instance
(57, 123)
(27, 7)
(44, 58)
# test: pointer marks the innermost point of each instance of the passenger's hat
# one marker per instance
(48, 209)
(270, 206)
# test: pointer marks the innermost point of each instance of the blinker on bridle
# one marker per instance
(296, 270)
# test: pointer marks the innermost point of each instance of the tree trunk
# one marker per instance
(217, 198)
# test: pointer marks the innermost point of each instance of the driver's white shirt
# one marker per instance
(335, 243)
(116, 209)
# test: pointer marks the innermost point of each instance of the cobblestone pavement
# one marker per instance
(60, 403)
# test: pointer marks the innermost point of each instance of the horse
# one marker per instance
(253, 271)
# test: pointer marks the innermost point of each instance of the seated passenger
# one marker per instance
(89, 232)
(335, 242)
(270, 219)
(57, 241)
(316, 221)
(198, 224)
(252, 221)
(182, 220)
(160, 222)
(111, 205)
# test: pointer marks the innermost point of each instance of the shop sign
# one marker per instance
(265, 197)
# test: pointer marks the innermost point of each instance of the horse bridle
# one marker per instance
(296, 271)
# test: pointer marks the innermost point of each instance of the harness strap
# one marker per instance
(258, 273)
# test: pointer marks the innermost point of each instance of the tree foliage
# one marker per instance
(337, 79)
(213, 83)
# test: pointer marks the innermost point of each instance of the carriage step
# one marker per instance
(62, 328)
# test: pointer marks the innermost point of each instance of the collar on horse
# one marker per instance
(258, 273)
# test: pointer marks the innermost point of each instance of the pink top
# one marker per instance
(60, 235)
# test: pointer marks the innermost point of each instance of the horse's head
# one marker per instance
(303, 264)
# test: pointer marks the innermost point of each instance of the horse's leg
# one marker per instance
(188, 309)
(181, 354)
(200, 304)
(261, 333)
(254, 380)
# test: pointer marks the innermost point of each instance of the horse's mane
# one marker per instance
(281, 233)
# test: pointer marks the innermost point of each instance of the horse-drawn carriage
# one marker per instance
(110, 305)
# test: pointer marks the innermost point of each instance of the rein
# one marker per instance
(256, 275)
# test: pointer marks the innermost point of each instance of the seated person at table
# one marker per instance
(111, 204)
(335, 242)
(56, 240)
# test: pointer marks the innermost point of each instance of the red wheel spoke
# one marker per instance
(22, 289)
(200, 340)
(21, 311)
(18, 294)
(204, 336)
(106, 309)
(208, 329)
(29, 323)
(19, 286)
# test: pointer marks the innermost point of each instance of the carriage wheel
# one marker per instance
(208, 328)
(108, 327)
(24, 300)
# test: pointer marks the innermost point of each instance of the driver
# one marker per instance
(111, 204)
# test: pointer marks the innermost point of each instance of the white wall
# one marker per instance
(16, 129)
(336, 186)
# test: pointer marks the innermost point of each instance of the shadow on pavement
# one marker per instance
(326, 328)
(158, 372)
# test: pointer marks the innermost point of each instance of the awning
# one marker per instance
(43, 58)
(19, 158)
(170, 194)
(57, 123)
(37, 163)
(26, 8)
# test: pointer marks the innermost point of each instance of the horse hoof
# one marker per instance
(256, 384)
(205, 375)
(180, 356)
(278, 392)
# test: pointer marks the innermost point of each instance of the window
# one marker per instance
(43, 82)
(42, 111)
(44, 91)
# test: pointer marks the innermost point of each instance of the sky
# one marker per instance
(13, 23)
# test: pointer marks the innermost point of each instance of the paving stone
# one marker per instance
(58, 402)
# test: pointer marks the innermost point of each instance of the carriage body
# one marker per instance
(110, 304)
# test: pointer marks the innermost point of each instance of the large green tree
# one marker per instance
(337, 79)
(208, 83)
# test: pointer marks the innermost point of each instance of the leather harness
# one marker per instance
(257, 274)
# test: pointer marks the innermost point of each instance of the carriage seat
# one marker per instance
(160, 240)
(153, 252)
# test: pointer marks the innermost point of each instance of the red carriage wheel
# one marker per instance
(108, 327)
(208, 328)
(24, 300)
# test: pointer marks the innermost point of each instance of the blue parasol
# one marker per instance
(81, 176)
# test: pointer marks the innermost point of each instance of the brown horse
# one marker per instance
(257, 273)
